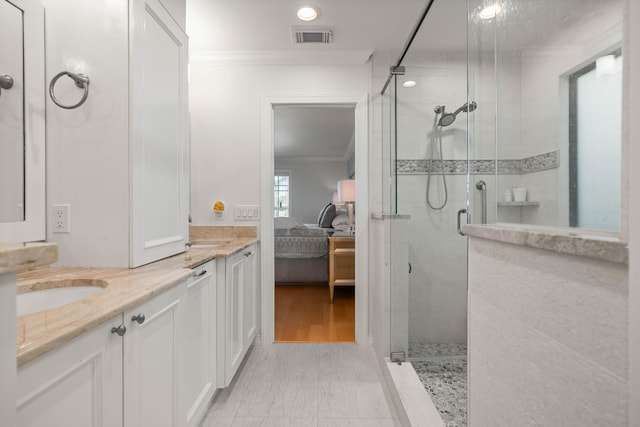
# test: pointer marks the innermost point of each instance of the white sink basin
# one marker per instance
(55, 294)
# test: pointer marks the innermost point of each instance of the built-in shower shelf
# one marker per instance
(518, 203)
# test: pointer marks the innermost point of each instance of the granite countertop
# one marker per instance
(43, 331)
(16, 257)
(592, 244)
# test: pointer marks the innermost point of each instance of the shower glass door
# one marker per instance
(430, 185)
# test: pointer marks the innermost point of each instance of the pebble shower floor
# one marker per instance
(442, 368)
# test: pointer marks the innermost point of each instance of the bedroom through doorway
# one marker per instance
(314, 227)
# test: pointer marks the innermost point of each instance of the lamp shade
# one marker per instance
(347, 190)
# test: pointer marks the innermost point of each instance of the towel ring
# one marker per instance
(81, 80)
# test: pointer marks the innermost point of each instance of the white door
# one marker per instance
(151, 362)
(78, 384)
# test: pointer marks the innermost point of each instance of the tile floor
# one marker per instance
(317, 385)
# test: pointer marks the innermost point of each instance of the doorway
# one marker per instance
(270, 105)
(314, 155)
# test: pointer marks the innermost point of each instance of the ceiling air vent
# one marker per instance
(312, 35)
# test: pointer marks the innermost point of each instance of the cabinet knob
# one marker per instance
(138, 318)
(248, 254)
(120, 330)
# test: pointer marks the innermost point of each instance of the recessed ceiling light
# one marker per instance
(307, 13)
(409, 83)
(490, 11)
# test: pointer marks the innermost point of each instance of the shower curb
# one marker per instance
(413, 403)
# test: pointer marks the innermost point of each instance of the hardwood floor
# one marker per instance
(303, 313)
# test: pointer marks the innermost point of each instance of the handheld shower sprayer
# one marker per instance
(448, 118)
(445, 119)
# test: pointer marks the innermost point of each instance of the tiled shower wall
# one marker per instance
(437, 253)
(437, 283)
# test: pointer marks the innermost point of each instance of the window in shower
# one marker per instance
(595, 111)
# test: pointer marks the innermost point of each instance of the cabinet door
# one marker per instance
(78, 384)
(159, 137)
(151, 362)
(250, 296)
(198, 349)
(234, 306)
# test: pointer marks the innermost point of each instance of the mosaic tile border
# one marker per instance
(538, 163)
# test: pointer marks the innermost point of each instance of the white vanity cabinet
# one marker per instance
(152, 352)
(7, 350)
(153, 366)
(198, 378)
(233, 308)
(237, 311)
(250, 320)
(78, 384)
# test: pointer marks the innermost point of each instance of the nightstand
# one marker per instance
(342, 261)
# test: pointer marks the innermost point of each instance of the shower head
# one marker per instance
(448, 118)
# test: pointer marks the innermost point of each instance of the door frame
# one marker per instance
(267, 276)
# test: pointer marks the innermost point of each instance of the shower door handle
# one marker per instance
(460, 212)
(482, 186)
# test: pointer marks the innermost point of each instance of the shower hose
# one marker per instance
(436, 138)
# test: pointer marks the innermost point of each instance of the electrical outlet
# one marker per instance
(60, 214)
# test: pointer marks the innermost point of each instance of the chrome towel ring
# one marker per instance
(81, 80)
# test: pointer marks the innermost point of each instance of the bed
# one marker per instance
(301, 250)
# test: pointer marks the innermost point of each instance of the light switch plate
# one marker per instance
(247, 212)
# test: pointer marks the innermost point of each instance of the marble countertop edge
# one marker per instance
(44, 331)
(598, 245)
(15, 257)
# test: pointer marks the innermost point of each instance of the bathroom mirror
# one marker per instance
(557, 97)
(22, 131)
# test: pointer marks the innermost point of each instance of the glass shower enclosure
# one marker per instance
(430, 189)
(496, 110)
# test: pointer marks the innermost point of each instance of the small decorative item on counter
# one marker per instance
(218, 208)
(508, 197)
(519, 194)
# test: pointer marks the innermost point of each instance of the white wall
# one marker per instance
(533, 107)
(225, 125)
(548, 338)
(88, 147)
(312, 183)
(437, 253)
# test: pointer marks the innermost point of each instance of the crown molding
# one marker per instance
(281, 57)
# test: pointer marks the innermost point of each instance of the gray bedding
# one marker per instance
(301, 243)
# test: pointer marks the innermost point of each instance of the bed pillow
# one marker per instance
(341, 221)
(286, 223)
(327, 216)
(322, 213)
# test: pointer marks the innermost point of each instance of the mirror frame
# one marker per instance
(33, 227)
